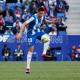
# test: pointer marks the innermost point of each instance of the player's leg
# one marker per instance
(31, 42)
(46, 42)
(29, 57)
(46, 45)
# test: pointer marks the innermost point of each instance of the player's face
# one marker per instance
(40, 14)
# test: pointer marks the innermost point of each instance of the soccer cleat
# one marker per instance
(45, 56)
(27, 71)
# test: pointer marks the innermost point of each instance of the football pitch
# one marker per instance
(40, 71)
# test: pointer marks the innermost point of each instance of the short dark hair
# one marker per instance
(40, 9)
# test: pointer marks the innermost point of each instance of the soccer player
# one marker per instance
(34, 31)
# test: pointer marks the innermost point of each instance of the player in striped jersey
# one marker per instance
(34, 31)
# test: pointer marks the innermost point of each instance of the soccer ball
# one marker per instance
(45, 38)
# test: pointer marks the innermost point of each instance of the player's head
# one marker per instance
(40, 12)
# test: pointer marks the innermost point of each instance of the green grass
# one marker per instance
(40, 71)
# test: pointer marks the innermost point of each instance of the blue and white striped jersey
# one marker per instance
(35, 24)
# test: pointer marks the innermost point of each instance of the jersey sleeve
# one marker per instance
(30, 20)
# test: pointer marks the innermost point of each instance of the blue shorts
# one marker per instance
(32, 38)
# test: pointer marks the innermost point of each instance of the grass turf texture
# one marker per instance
(40, 71)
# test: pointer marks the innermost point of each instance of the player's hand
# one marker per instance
(54, 20)
(18, 35)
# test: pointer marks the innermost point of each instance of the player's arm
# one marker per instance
(19, 35)
(23, 27)
(25, 24)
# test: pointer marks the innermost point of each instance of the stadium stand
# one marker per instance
(73, 21)
(14, 13)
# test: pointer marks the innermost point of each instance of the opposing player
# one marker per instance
(34, 31)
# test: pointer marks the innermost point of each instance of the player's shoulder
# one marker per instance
(33, 16)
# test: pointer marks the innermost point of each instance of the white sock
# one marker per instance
(46, 46)
(29, 57)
